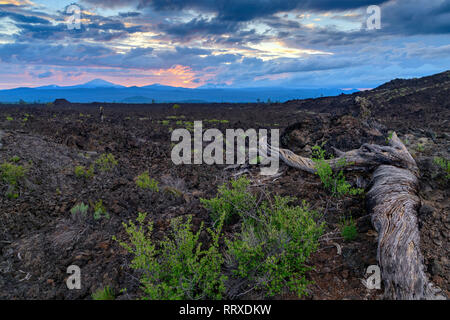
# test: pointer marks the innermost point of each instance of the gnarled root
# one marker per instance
(393, 202)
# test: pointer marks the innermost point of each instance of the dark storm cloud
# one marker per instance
(106, 32)
(416, 17)
(44, 54)
(199, 26)
(20, 18)
(129, 14)
(241, 10)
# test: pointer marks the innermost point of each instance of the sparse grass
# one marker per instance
(389, 137)
(83, 172)
(217, 121)
(348, 229)
(173, 191)
(144, 181)
(11, 173)
(100, 210)
(106, 162)
(420, 147)
(444, 164)
(103, 294)
(15, 159)
(80, 209)
(175, 117)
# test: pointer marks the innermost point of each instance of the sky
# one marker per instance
(222, 43)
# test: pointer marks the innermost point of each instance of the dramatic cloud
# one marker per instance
(191, 43)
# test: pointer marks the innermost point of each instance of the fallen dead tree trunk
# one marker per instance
(393, 202)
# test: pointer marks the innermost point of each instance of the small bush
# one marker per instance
(104, 294)
(231, 201)
(274, 245)
(9, 118)
(173, 191)
(11, 173)
(12, 195)
(106, 162)
(334, 182)
(348, 229)
(177, 268)
(80, 209)
(389, 137)
(176, 106)
(100, 210)
(144, 182)
(82, 172)
(444, 164)
(15, 159)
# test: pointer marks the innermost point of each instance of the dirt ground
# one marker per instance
(39, 239)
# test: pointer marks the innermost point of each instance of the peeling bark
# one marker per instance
(393, 202)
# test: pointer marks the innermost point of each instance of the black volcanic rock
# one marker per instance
(61, 102)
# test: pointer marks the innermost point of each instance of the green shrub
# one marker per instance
(80, 209)
(274, 245)
(389, 137)
(348, 229)
(103, 294)
(12, 195)
(444, 164)
(334, 182)
(8, 118)
(176, 106)
(100, 210)
(11, 173)
(106, 162)
(231, 201)
(15, 159)
(144, 182)
(173, 191)
(178, 267)
(82, 172)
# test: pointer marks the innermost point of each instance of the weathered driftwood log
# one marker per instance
(393, 202)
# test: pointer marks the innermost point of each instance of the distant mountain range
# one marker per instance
(99, 90)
